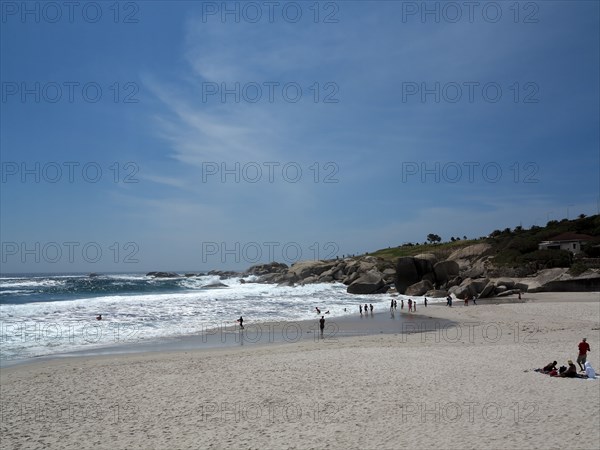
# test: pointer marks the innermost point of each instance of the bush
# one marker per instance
(547, 259)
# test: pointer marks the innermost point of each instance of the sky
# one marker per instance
(191, 136)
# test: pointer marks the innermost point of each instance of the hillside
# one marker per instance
(517, 248)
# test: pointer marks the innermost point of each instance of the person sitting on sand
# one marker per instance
(571, 371)
(550, 367)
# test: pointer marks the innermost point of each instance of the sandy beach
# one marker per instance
(466, 383)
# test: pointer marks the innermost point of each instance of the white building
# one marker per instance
(566, 241)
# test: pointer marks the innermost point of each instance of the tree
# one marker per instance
(581, 216)
(452, 239)
(465, 238)
(433, 238)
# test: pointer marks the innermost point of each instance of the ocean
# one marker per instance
(52, 314)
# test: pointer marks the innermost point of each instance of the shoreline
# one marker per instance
(289, 332)
(258, 334)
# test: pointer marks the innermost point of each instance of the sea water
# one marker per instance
(50, 314)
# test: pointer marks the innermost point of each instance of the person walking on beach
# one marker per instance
(401, 303)
(322, 324)
(391, 304)
(371, 306)
(584, 347)
(395, 304)
(366, 309)
(241, 321)
(360, 309)
(425, 302)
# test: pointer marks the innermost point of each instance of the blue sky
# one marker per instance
(378, 128)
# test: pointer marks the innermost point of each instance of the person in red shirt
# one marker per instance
(584, 347)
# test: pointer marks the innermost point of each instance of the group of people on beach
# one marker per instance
(571, 371)
(412, 304)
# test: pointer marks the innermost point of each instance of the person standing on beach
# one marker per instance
(414, 306)
(584, 347)
(391, 304)
(371, 306)
(241, 321)
(366, 309)
(409, 305)
(360, 309)
(322, 324)
(425, 302)
(401, 303)
(395, 304)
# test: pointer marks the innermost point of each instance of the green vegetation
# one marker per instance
(515, 248)
(441, 251)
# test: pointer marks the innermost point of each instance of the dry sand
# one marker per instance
(465, 386)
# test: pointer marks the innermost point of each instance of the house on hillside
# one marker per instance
(566, 241)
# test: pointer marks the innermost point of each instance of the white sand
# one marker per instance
(429, 390)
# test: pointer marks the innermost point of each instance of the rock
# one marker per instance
(351, 278)
(163, 274)
(190, 275)
(263, 269)
(480, 284)
(469, 252)
(436, 293)
(419, 288)
(406, 273)
(456, 281)
(303, 269)
(444, 271)
(500, 289)
(509, 283)
(424, 266)
(242, 281)
(477, 270)
(521, 287)
(367, 283)
(488, 290)
(309, 280)
(325, 279)
(428, 256)
(507, 293)
(214, 285)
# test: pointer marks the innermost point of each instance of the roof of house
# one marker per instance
(571, 237)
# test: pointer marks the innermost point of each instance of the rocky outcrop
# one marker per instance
(163, 274)
(419, 288)
(368, 283)
(406, 274)
(444, 271)
(263, 269)
(436, 293)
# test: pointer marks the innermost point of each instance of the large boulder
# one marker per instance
(419, 288)
(367, 283)
(436, 293)
(406, 273)
(263, 269)
(163, 274)
(488, 290)
(424, 266)
(304, 269)
(444, 271)
(509, 283)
